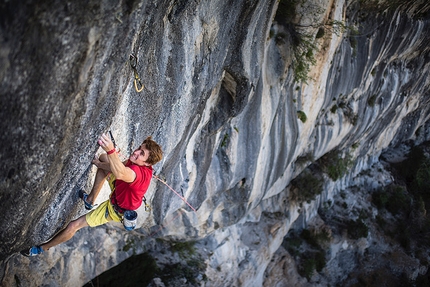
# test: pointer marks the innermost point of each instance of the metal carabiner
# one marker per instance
(133, 65)
(147, 208)
(137, 79)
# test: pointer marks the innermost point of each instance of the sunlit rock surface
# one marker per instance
(220, 96)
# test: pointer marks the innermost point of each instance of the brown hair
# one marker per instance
(155, 151)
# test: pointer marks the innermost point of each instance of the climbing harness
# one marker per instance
(133, 64)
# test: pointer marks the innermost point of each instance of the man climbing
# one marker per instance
(129, 182)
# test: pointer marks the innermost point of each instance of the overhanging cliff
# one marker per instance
(241, 101)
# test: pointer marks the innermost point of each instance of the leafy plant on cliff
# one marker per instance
(308, 249)
(335, 165)
(377, 6)
(402, 207)
(184, 249)
(302, 116)
(306, 186)
(302, 39)
(191, 264)
(303, 44)
(130, 244)
(357, 229)
(304, 159)
(333, 109)
(422, 178)
(189, 270)
(225, 140)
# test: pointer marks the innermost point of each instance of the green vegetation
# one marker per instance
(402, 209)
(333, 109)
(302, 116)
(309, 249)
(303, 44)
(302, 41)
(357, 229)
(371, 101)
(190, 266)
(184, 249)
(334, 165)
(129, 245)
(409, 168)
(382, 277)
(401, 222)
(421, 182)
(189, 270)
(355, 145)
(350, 115)
(316, 239)
(304, 159)
(394, 199)
(225, 140)
(304, 58)
(376, 6)
(293, 245)
(306, 186)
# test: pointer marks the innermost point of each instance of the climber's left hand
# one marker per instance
(106, 143)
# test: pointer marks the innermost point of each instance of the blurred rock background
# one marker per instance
(273, 116)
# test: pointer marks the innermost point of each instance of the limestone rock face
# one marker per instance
(221, 95)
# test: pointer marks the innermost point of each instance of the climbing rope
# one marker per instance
(133, 65)
(181, 197)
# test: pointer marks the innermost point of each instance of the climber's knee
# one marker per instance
(77, 224)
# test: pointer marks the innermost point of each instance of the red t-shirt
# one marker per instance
(129, 195)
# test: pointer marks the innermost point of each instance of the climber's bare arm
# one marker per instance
(120, 171)
(102, 162)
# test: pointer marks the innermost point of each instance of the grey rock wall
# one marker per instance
(221, 99)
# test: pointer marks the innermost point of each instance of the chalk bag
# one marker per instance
(130, 219)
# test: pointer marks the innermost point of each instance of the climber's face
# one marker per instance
(140, 156)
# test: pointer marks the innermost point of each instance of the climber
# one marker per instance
(129, 181)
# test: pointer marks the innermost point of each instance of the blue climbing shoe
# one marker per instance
(33, 251)
(83, 196)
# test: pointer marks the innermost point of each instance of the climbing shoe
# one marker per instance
(33, 251)
(84, 196)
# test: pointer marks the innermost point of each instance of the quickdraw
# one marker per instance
(133, 65)
(147, 207)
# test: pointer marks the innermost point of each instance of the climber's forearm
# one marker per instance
(120, 171)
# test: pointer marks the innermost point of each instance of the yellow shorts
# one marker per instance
(104, 212)
(111, 180)
(99, 215)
